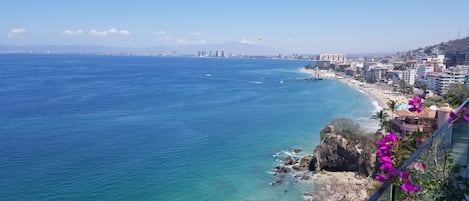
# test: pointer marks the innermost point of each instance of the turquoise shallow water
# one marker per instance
(78, 127)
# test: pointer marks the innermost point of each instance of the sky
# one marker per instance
(303, 26)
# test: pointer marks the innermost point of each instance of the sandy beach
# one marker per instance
(379, 97)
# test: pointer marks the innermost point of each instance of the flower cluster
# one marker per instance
(456, 117)
(384, 153)
(415, 104)
(407, 185)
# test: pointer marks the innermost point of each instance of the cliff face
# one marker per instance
(337, 153)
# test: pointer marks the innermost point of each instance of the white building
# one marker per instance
(422, 71)
(408, 76)
(431, 81)
(333, 58)
(444, 80)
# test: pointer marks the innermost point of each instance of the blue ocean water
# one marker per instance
(83, 127)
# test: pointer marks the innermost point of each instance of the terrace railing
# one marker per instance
(453, 139)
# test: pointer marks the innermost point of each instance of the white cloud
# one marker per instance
(109, 32)
(196, 33)
(191, 42)
(124, 32)
(72, 33)
(181, 41)
(165, 38)
(16, 32)
(98, 33)
(246, 41)
(160, 33)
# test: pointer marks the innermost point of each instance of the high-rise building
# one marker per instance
(422, 71)
(333, 58)
(444, 80)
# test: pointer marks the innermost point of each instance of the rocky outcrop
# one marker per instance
(289, 160)
(304, 163)
(337, 153)
(297, 150)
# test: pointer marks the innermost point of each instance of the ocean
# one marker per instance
(87, 127)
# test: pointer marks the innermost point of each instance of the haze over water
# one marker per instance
(78, 127)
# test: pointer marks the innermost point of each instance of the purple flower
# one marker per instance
(420, 166)
(452, 117)
(407, 199)
(380, 143)
(381, 178)
(383, 153)
(408, 187)
(385, 159)
(465, 116)
(392, 172)
(416, 104)
(455, 117)
(387, 167)
(419, 140)
(390, 137)
(404, 176)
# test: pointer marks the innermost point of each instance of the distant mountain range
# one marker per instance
(235, 48)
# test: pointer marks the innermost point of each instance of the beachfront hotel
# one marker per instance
(333, 58)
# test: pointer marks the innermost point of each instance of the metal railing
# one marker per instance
(432, 152)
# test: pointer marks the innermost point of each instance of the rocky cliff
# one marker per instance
(339, 152)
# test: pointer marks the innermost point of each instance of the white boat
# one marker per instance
(281, 81)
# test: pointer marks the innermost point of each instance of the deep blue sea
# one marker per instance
(83, 127)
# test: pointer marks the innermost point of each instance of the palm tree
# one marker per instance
(392, 104)
(381, 116)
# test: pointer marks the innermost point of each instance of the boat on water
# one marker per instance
(281, 81)
(208, 75)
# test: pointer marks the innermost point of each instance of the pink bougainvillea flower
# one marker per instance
(380, 143)
(464, 116)
(385, 159)
(387, 167)
(392, 172)
(381, 178)
(408, 187)
(407, 199)
(404, 176)
(456, 117)
(383, 153)
(452, 117)
(419, 140)
(415, 104)
(390, 137)
(420, 166)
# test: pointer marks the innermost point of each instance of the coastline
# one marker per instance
(372, 93)
(378, 97)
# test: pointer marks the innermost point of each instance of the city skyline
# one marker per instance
(296, 26)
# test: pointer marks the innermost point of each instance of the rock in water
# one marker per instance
(289, 160)
(304, 162)
(297, 150)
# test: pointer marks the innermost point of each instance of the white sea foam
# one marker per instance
(377, 106)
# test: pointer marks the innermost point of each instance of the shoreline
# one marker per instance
(368, 91)
(377, 97)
